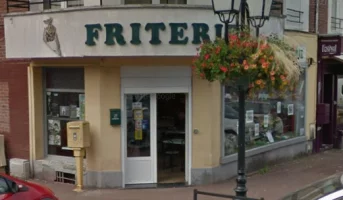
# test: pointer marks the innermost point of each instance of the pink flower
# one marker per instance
(223, 69)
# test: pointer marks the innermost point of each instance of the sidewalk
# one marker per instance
(278, 181)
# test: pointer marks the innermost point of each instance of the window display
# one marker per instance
(270, 117)
(64, 103)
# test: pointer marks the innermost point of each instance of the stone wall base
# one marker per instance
(253, 162)
(20, 168)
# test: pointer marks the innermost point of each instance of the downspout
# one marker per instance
(31, 142)
(315, 146)
(316, 16)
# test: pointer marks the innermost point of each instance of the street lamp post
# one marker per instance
(257, 12)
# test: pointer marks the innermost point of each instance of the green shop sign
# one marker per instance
(114, 33)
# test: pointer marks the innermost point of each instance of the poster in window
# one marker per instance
(54, 132)
(257, 129)
(137, 105)
(266, 121)
(138, 114)
(290, 109)
(145, 124)
(270, 137)
(53, 105)
(278, 107)
(138, 124)
(78, 112)
(139, 134)
(64, 111)
(73, 111)
(249, 116)
(302, 131)
(82, 106)
(48, 99)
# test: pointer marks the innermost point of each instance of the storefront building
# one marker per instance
(329, 93)
(90, 62)
(307, 42)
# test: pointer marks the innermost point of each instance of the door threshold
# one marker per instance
(155, 185)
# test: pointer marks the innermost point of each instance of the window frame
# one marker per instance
(64, 4)
(45, 116)
(154, 2)
(304, 15)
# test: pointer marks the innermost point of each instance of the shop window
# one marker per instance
(173, 1)
(75, 3)
(270, 118)
(58, 4)
(65, 102)
(138, 1)
(161, 1)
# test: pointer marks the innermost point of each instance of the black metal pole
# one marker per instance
(241, 189)
(226, 33)
(257, 31)
(243, 8)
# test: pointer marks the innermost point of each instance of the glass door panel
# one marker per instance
(140, 167)
(138, 120)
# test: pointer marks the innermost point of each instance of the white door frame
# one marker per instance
(153, 137)
(188, 138)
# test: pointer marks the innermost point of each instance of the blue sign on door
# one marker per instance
(145, 124)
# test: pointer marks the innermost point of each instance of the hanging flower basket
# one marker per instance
(265, 63)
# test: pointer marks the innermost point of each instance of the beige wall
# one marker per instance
(36, 113)
(206, 118)
(102, 92)
(310, 41)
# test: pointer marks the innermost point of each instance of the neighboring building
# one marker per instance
(329, 24)
(300, 31)
(14, 121)
(93, 58)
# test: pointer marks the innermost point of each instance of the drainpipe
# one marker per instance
(317, 16)
(31, 142)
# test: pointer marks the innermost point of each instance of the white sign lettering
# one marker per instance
(329, 48)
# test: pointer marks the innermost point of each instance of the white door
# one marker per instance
(140, 134)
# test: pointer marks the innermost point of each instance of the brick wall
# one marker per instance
(312, 17)
(322, 16)
(14, 121)
(4, 107)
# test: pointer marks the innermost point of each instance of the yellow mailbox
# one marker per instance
(78, 134)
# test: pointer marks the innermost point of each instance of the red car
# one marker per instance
(15, 189)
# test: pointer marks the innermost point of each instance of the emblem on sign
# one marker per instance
(50, 37)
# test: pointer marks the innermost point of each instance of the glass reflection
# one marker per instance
(270, 117)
